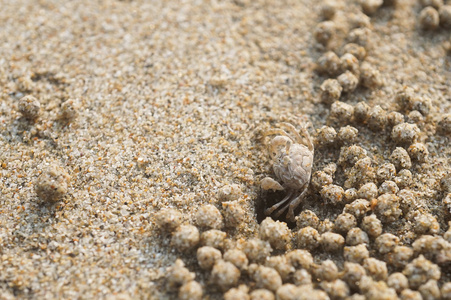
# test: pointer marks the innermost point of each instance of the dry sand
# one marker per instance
(172, 97)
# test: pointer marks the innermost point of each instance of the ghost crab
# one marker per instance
(292, 165)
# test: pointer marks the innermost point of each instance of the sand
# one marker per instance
(171, 100)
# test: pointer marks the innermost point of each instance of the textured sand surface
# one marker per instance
(172, 98)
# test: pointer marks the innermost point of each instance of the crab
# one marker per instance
(292, 165)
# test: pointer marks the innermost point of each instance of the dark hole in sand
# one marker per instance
(265, 200)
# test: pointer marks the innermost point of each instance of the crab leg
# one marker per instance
(295, 203)
(302, 138)
(270, 210)
(276, 131)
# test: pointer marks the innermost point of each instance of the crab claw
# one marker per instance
(268, 183)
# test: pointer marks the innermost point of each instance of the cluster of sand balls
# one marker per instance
(435, 14)
(346, 68)
(353, 255)
(53, 181)
(278, 264)
(30, 108)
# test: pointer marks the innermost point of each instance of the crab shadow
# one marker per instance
(266, 199)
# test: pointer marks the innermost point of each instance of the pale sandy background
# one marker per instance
(171, 96)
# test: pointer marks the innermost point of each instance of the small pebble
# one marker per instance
(213, 238)
(446, 201)
(358, 208)
(358, 51)
(420, 270)
(394, 118)
(386, 243)
(372, 225)
(281, 264)
(267, 278)
(332, 242)
(385, 172)
(240, 293)
(344, 222)
(287, 291)
(230, 192)
(348, 81)
(300, 259)
(330, 91)
(404, 178)
(52, 184)
(307, 218)
(208, 216)
(359, 20)
(185, 237)
(262, 294)
(324, 32)
(234, 213)
(400, 159)
(376, 268)
(350, 195)
(349, 155)
(445, 16)
(377, 118)
(29, 107)
(328, 9)
(325, 136)
(408, 294)
(368, 191)
(321, 179)
(445, 183)
(350, 63)
(369, 7)
(336, 289)
(425, 223)
(398, 281)
(178, 275)
(168, 219)
(276, 233)
(446, 291)
(352, 274)
(327, 270)
(405, 133)
(325, 226)
(332, 194)
(329, 63)
(388, 208)
(418, 152)
(370, 76)
(361, 111)
(237, 257)
(429, 18)
(400, 256)
(444, 125)
(357, 236)
(225, 275)
(191, 291)
(434, 3)
(69, 110)
(356, 254)
(415, 117)
(347, 135)
(207, 257)
(430, 290)
(308, 238)
(388, 187)
(256, 249)
(301, 277)
(361, 36)
(341, 113)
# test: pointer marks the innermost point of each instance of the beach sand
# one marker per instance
(146, 105)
